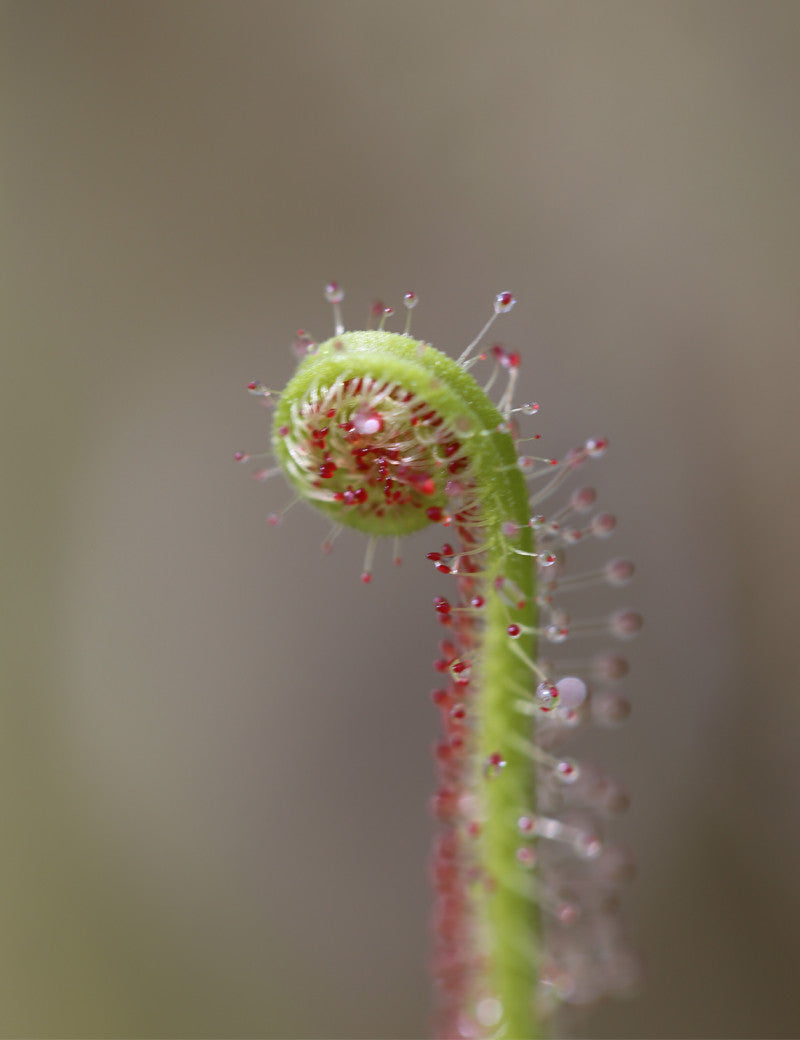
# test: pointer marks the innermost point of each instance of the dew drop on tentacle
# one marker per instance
(503, 302)
(582, 500)
(461, 671)
(334, 294)
(526, 825)
(609, 708)
(609, 667)
(256, 389)
(625, 624)
(556, 633)
(587, 844)
(602, 525)
(494, 765)
(571, 692)
(619, 571)
(567, 771)
(302, 345)
(547, 695)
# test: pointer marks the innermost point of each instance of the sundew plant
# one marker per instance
(386, 434)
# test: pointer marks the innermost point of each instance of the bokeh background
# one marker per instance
(215, 741)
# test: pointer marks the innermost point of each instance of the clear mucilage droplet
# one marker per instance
(493, 765)
(547, 695)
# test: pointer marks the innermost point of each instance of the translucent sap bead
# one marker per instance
(619, 572)
(494, 765)
(609, 708)
(526, 825)
(603, 525)
(503, 303)
(302, 345)
(583, 499)
(334, 292)
(609, 667)
(625, 624)
(596, 447)
(567, 913)
(567, 771)
(547, 695)
(587, 845)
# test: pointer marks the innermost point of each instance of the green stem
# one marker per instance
(511, 910)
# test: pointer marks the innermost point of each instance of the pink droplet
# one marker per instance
(619, 571)
(571, 692)
(596, 447)
(609, 708)
(583, 499)
(625, 624)
(610, 667)
(603, 525)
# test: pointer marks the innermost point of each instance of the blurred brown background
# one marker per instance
(215, 742)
